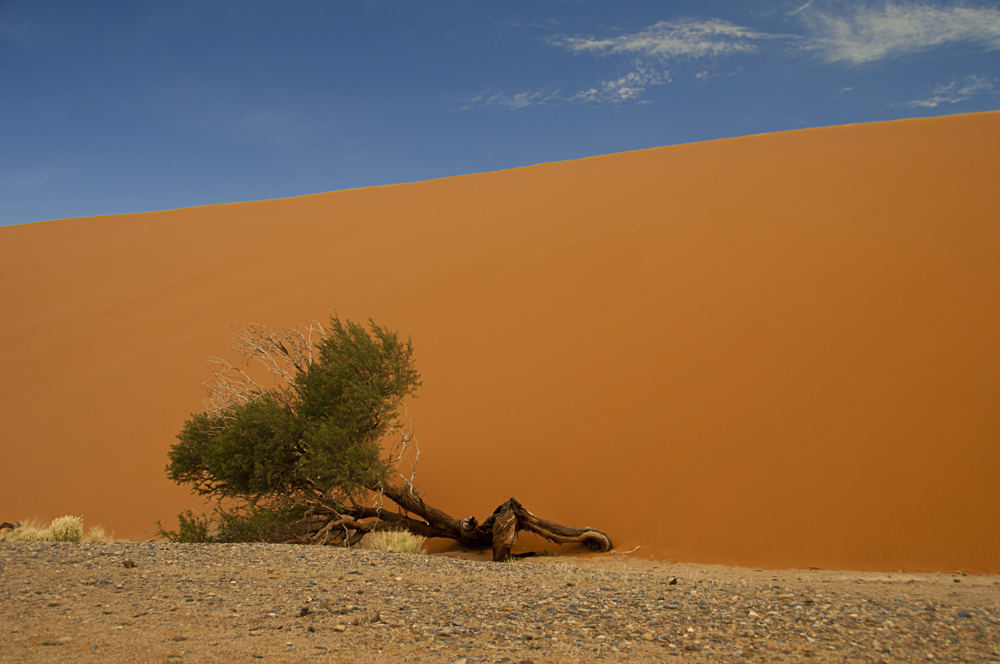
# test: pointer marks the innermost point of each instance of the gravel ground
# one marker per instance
(249, 602)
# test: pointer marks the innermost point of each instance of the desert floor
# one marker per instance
(166, 602)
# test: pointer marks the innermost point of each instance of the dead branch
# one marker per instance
(405, 449)
(281, 353)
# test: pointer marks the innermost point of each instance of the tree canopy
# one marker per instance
(320, 433)
(297, 458)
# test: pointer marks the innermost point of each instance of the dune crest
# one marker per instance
(771, 351)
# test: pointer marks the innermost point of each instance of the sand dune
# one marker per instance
(777, 350)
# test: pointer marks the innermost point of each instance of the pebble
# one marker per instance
(282, 603)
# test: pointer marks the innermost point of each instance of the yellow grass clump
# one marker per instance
(66, 529)
(29, 531)
(400, 541)
(62, 529)
(97, 534)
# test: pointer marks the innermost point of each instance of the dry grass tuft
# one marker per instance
(66, 529)
(97, 534)
(62, 529)
(31, 530)
(400, 541)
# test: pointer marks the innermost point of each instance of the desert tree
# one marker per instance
(325, 440)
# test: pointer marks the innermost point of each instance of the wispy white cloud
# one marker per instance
(653, 49)
(671, 40)
(857, 33)
(510, 100)
(624, 88)
(957, 91)
(835, 31)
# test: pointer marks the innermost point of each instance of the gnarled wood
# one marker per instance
(505, 527)
(499, 531)
(595, 540)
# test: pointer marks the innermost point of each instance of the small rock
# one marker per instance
(964, 614)
(303, 611)
(51, 642)
(692, 647)
(340, 628)
(128, 563)
(648, 636)
(179, 638)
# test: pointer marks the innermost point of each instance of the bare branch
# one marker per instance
(283, 354)
(405, 449)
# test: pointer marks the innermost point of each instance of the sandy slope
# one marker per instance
(776, 350)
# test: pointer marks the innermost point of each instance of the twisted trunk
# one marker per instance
(499, 531)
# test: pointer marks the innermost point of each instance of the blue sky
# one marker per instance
(130, 106)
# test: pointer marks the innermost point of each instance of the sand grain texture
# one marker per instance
(280, 603)
(773, 351)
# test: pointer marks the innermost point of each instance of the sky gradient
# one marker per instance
(120, 107)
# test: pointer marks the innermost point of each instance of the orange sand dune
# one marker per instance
(778, 350)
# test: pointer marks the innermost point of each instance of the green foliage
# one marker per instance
(256, 524)
(348, 400)
(193, 529)
(253, 523)
(248, 452)
(319, 435)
